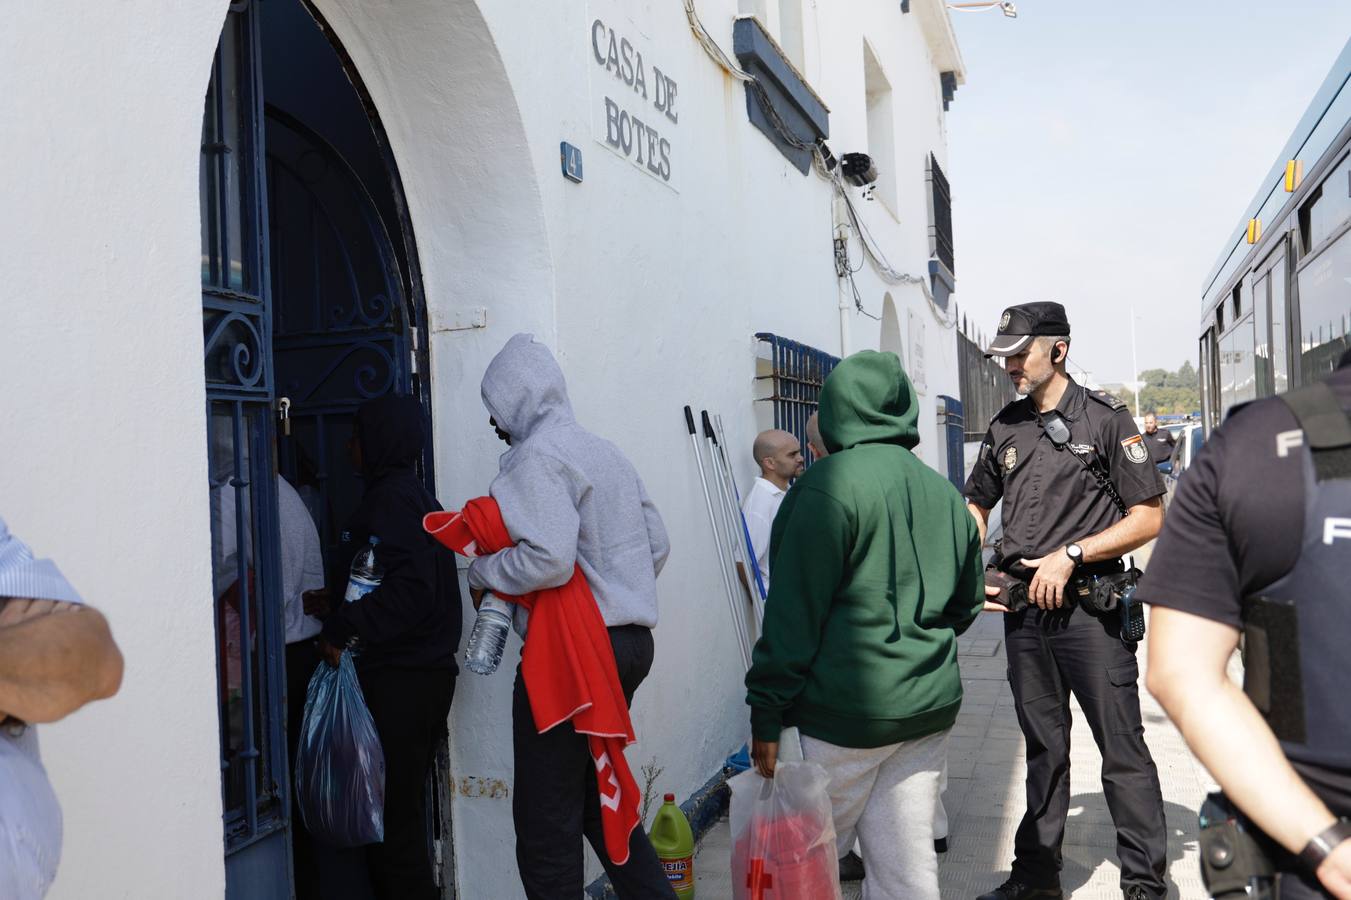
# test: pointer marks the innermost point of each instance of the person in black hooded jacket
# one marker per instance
(408, 630)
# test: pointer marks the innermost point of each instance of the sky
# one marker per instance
(1102, 153)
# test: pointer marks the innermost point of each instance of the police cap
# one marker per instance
(1019, 324)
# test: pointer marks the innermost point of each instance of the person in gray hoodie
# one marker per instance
(568, 498)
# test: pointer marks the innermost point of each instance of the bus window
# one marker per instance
(1206, 378)
(1280, 338)
(1238, 375)
(1262, 331)
(1327, 208)
(1325, 308)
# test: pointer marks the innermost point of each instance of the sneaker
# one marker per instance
(851, 867)
(1135, 892)
(941, 845)
(1016, 890)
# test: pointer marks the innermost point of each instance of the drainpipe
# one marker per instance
(840, 213)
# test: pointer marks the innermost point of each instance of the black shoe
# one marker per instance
(1135, 892)
(1016, 890)
(851, 867)
(941, 845)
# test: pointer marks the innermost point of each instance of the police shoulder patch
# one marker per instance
(1010, 457)
(1135, 448)
(1107, 399)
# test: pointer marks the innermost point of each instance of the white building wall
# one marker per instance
(649, 297)
(103, 462)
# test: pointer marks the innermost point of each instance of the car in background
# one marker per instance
(1190, 439)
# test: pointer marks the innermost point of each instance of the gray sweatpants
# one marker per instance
(887, 796)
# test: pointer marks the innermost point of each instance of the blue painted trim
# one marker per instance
(799, 107)
(705, 808)
(949, 82)
(942, 283)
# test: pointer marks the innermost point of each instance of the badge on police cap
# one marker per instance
(1135, 448)
(1004, 320)
(1010, 458)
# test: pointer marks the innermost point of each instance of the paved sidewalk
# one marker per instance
(985, 794)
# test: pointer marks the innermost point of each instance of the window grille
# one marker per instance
(795, 372)
(940, 216)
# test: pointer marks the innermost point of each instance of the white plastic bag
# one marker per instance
(30, 821)
(783, 835)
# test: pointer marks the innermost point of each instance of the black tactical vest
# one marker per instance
(1297, 631)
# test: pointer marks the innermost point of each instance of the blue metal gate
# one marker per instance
(341, 317)
(952, 433)
(307, 303)
(237, 337)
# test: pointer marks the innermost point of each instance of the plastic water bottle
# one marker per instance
(489, 636)
(366, 574)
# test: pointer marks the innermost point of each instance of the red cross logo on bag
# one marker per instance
(758, 881)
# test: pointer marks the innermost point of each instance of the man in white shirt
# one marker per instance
(779, 456)
(302, 569)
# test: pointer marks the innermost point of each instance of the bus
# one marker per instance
(1276, 311)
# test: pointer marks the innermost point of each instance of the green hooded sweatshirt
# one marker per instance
(877, 569)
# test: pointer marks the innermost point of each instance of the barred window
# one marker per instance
(940, 216)
(793, 373)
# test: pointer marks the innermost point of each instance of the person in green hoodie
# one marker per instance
(877, 570)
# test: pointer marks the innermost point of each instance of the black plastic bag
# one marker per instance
(340, 765)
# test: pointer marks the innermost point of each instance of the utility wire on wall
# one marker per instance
(871, 249)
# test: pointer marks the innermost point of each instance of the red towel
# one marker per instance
(568, 665)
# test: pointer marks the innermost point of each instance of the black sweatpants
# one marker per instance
(555, 800)
(410, 708)
(1051, 655)
(302, 657)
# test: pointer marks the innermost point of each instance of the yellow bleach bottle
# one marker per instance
(674, 842)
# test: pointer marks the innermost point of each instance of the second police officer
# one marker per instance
(1079, 492)
(1258, 545)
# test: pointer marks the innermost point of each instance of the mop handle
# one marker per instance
(736, 495)
(717, 542)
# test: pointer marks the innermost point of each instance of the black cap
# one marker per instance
(1019, 324)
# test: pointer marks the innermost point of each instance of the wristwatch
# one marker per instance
(1321, 844)
(1075, 553)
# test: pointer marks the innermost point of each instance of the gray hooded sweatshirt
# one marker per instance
(568, 498)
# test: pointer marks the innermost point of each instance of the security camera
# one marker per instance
(858, 169)
(1009, 9)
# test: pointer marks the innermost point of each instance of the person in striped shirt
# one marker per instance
(56, 655)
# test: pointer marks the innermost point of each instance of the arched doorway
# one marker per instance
(891, 341)
(312, 304)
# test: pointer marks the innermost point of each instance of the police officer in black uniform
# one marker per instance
(1160, 441)
(1079, 491)
(1258, 544)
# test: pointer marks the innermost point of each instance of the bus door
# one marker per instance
(1270, 281)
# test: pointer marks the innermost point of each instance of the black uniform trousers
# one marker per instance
(410, 708)
(1050, 655)
(555, 800)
